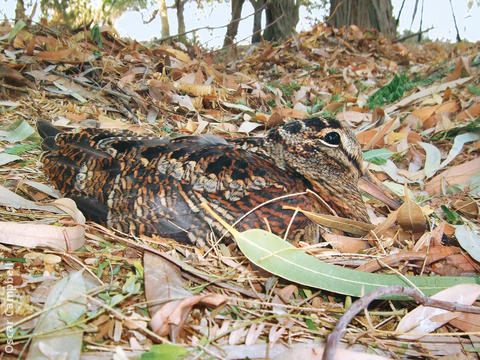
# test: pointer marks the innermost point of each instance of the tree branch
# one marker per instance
(208, 27)
(364, 302)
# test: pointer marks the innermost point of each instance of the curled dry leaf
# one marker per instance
(176, 312)
(386, 224)
(194, 89)
(164, 287)
(425, 319)
(337, 222)
(410, 215)
(38, 235)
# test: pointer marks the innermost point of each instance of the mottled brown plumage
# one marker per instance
(154, 186)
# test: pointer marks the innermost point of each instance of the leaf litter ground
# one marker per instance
(414, 107)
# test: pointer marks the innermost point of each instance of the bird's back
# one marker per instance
(154, 186)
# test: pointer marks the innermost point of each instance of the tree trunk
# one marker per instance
(257, 19)
(232, 28)
(282, 18)
(180, 5)
(162, 8)
(20, 11)
(366, 14)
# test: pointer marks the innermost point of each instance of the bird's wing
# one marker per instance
(153, 186)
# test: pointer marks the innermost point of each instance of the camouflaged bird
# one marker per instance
(154, 186)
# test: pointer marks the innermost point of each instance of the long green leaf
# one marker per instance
(279, 257)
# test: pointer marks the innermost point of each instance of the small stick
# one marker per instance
(364, 301)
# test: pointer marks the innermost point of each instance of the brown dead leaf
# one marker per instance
(449, 107)
(459, 174)
(468, 207)
(75, 117)
(380, 133)
(194, 89)
(346, 244)
(288, 112)
(333, 107)
(386, 224)
(424, 113)
(470, 113)
(274, 119)
(462, 64)
(109, 123)
(467, 322)
(434, 254)
(353, 117)
(56, 56)
(413, 137)
(12, 76)
(410, 215)
(337, 222)
(366, 136)
(163, 281)
(263, 118)
(178, 54)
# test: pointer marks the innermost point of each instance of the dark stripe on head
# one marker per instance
(293, 127)
(318, 124)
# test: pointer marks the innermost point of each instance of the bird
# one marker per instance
(153, 187)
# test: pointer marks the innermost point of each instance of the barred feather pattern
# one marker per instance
(154, 186)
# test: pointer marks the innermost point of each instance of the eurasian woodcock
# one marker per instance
(154, 186)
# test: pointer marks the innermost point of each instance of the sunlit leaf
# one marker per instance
(432, 161)
(425, 319)
(469, 240)
(7, 158)
(21, 132)
(457, 147)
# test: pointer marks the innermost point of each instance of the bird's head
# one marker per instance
(317, 148)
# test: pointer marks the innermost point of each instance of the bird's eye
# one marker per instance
(332, 139)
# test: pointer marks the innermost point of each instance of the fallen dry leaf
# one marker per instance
(424, 319)
(459, 174)
(346, 244)
(410, 215)
(176, 312)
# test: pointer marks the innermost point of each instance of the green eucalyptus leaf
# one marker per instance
(377, 156)
(281, 258)
(165, 352)
(21, 132)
